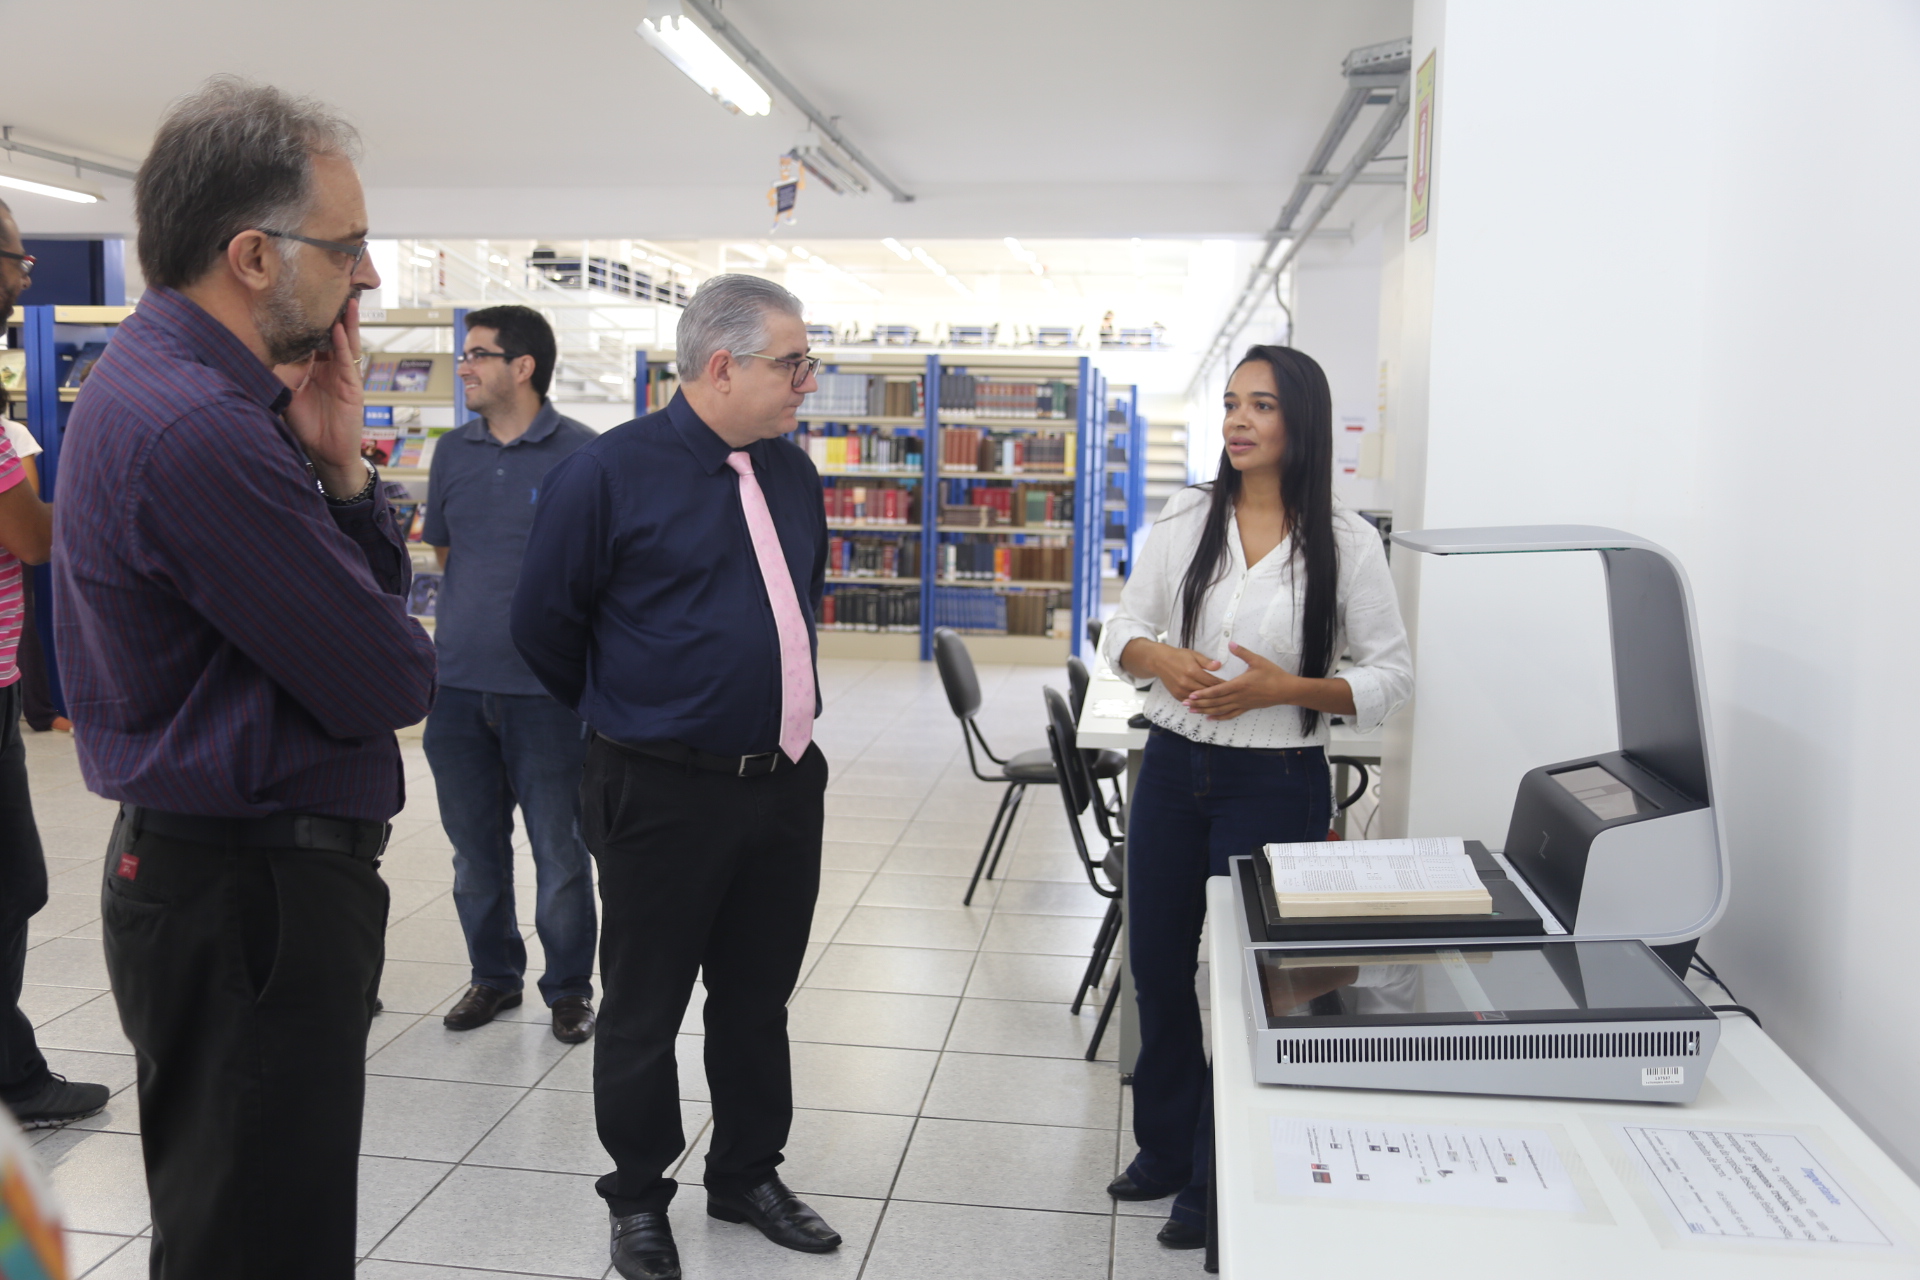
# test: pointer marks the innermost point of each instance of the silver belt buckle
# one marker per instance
(743, 762)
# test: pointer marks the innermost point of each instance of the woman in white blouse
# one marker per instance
(1248, 592)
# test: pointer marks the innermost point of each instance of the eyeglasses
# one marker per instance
(476, 354)
(801, 367)
(353, 252)
(26, 260)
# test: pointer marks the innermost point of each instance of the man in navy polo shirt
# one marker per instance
(496, 737)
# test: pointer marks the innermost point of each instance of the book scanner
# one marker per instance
(1556, 994)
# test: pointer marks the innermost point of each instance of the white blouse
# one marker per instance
(1259, 608)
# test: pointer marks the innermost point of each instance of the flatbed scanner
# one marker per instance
(1559, 993)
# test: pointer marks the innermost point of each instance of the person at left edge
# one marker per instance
(37, 1097)
(231, 628)
(495, 736)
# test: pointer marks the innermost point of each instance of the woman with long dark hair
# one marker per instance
(1248, 593)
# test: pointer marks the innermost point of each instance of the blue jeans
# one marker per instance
(1195, 806)
(490, 751)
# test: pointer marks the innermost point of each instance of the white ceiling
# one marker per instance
(490, 118)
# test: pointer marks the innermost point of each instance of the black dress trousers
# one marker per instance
(245, 980)
(707, 873)
(23, 891)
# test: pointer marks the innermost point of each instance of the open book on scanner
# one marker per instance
(1427, 877)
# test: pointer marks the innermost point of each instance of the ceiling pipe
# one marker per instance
(723, 30)
(1377, 75)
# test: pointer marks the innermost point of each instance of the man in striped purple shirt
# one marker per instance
(235, 649)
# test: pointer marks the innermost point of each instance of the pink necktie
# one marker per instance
(796, 656)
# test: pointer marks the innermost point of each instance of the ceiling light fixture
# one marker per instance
(56, 190)
(926, 260)
(899, 250)
(702, 61)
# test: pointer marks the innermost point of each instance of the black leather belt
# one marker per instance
(753, 766)
(355, 837)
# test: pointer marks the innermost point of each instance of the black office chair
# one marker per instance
(1094, 627)
(1028, 769)
(1107, 873)
(1104, 763)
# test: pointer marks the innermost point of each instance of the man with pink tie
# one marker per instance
(668, 596)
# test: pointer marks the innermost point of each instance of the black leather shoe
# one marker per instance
(1125, 1188)
(643, 1247)
(572, 1019)
(779, 1214)
(59, 1102)
(1178, 1235)
(479, 1007)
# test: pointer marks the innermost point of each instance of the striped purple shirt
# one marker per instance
(12, 610)
(230, 644)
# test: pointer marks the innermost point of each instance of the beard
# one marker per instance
(290, 334)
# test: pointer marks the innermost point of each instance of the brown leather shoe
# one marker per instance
(573, 1019)
(479, 1006)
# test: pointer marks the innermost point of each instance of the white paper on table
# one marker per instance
(1116, 708)
(1373, 866)
(1738, 1185)
(1448, 1165)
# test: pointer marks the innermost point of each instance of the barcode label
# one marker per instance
(1651, 1077)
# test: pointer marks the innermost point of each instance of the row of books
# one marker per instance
(423, 597)
(407, 377)
(894, 504)
(870, 609)
(1005, 398)
(411, 517)
(1016, 613)
(868, 395)
(858, 557)
(386, 449)
(971, 449)
(1019, 506)
(995, 560)
(838, 447)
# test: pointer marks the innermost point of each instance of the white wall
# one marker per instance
(1336, 320)
(1669, 288)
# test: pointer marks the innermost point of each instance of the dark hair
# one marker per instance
(523, 332)
(1306, 500)
(232, 157)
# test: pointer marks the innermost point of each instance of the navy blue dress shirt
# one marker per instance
(641, 604)
(231, 644)
(480, 500)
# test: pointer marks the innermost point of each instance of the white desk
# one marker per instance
(1623, 1235)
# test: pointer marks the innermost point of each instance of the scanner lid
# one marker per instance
(1660, 702)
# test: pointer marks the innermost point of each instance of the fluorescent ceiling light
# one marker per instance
(927, 260)
(74, 194)
(758, 255)
(775, 252)
(703, 62)
(900, 250)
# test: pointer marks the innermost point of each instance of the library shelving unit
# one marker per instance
(1123, 502)
(435, 335)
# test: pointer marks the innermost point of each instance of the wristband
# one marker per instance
(373, 480)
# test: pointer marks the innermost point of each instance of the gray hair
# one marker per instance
(728, 313)
(229, 158)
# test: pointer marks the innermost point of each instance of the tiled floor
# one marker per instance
(948, 1125)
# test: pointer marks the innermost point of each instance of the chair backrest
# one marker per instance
(956, 672)
(1078, 678)
(1094, 627)
(1076, 781)
(1076, 792)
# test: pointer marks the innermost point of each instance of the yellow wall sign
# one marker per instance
(1422, 201)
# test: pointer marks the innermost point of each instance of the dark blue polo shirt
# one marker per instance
(480, 503)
